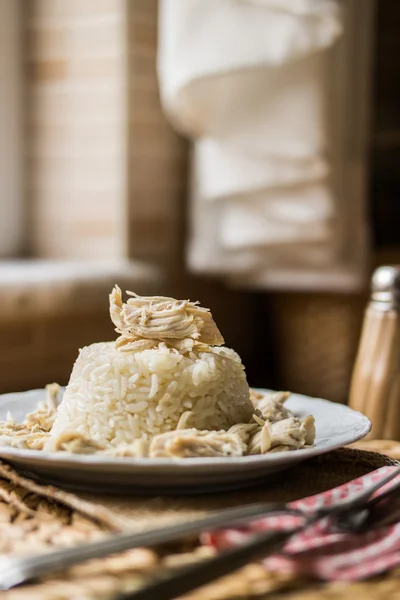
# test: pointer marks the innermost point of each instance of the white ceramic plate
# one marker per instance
(336, 426)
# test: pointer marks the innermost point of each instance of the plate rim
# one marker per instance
(185, 463)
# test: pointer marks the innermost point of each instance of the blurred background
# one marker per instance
(245, 154)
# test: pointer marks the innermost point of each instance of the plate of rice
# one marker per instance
(165, 408)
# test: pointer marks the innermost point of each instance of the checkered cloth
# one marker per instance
(321, 551)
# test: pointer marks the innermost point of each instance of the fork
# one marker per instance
(15, 571)
(374, 514)
(260, 545)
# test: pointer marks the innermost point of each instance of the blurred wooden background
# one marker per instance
(106, 180)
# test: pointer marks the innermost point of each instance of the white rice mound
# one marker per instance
(116, 397)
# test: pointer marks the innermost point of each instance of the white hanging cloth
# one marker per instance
(249, 82)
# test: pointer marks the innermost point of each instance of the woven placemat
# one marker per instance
(389, 447)
(36, 518)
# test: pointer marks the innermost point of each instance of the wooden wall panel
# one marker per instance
(107, 172)
(76, 141)
(157, 160)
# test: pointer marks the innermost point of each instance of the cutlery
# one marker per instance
(176, 583)
(18, 570)
(14, 571)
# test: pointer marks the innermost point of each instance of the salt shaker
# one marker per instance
(375, 385)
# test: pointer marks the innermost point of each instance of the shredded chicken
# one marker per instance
(190, 443)
(22, 439)
(245, 431)
(145, 321)
(291, 433)
(276, 430)
(288, 432)
(255, 438)
(271, 407)
(280, 448)
(43, 418)
(138, 449)
(33, 433)
(260, 441)
(308, 427)
(74, 443)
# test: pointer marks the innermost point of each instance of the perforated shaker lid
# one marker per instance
(386, 284)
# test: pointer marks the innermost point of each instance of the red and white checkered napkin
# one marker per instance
(320, 551)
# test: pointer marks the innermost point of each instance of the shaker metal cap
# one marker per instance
(386, 284)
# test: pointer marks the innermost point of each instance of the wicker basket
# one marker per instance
(316, 338)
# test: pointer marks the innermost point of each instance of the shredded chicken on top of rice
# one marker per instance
(166, 388)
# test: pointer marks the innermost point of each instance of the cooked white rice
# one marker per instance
(116, 397)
